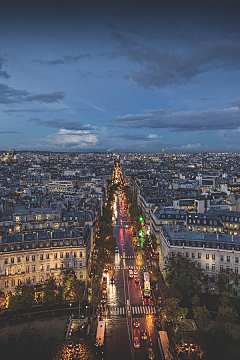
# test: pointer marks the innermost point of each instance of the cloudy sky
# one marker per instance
(122, 75)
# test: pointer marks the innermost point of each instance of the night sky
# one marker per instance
(121, 76)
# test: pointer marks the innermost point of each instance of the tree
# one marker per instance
(201, 316)
(173, 311)
(224, 280)
(226, 313)
(183, 277)
(220, 338)
(79, 288)
(2, 299)
(15, 300)
(68, 281)
(200, 313)
(51, 291)
(28, 295)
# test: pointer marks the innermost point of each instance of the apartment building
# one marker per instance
(212, 252)
(33, 258)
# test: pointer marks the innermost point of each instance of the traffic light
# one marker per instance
(141, 218)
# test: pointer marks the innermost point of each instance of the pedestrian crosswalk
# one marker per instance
(135, 310)
(130, 256)
(135, 267)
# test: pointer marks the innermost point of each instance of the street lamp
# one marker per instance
(189, 348)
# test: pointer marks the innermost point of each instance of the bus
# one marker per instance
(147, 289)
(100, 338)
(163, 344)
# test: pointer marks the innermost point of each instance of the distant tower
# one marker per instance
(162, 151)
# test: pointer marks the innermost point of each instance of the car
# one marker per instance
(104, 299)
(136, 323)
(136, 343)
(104, 291)
(105, 269)
(116, 250)
(129, 313)
(135, 273)
(158, 324)
(137, 280)
(112, 280)
(104, 279)
(150, 354)
(144, 335)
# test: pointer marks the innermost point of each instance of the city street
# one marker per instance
(120, 332)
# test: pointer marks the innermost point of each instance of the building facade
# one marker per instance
(211, 252)
(34, 258)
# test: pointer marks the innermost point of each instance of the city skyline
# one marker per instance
(135, 76)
